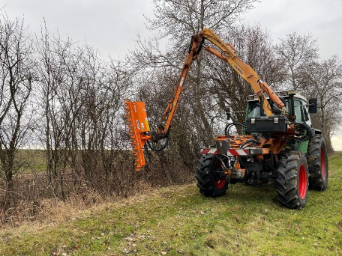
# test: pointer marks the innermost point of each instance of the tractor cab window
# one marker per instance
(254, 108)
(298, 111)
(301, 111)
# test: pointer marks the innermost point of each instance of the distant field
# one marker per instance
(32, 159)
(178, 221)
(336, 141)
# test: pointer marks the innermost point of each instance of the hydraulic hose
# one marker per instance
(226, 130)
(305, 132)
(249, 141)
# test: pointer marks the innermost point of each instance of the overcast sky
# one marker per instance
(111, 26)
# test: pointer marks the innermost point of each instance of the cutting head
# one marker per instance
(138, 128)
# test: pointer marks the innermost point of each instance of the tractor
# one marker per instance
(276, 143)
(294, 167)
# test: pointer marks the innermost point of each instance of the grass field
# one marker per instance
(32, 160)
(179, 221)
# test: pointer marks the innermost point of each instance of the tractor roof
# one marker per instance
(284, 94)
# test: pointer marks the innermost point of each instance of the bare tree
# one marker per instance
(61, 83)
(16, 79)
(51, 75)
(314, 78)
(179, 20)
(81, 95)
(297, 53)
(324, 82)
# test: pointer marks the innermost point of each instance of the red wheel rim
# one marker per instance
(220, 183)
(303, 181)
(323, 165)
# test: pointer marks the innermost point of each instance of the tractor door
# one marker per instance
(301, 111)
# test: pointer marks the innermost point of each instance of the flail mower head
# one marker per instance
(138, 129)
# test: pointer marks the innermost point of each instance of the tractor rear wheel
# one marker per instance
(318, 163)
(292, 181)
(211, 179)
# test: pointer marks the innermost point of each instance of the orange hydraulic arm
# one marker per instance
(259, 87)
(245, 71)
(170, 111)
(136, 112)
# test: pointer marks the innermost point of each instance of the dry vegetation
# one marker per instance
(37, 201)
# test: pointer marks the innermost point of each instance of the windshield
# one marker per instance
(300, 107)
(254, 108)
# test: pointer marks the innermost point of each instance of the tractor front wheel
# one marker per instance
(210, 176)
(293, 179)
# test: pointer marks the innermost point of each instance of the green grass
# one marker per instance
(179, 221)
(31, 160)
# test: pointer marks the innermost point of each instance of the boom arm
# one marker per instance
(228, 55)
(170, 111)
(137, 115)
(245, 71)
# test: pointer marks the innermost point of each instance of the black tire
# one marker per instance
(318, 165)
(211, 182)
(292, 179)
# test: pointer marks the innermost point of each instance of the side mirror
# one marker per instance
(313, 106)
(228, 113)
